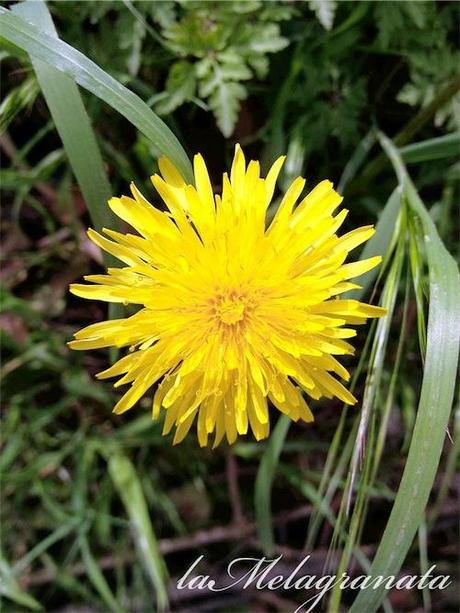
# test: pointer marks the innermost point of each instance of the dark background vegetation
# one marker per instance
(308, 79)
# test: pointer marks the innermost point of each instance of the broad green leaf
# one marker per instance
(128, 485)
(86, 73)
(264, 482)
(441, 357)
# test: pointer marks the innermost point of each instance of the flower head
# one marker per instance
(234, 314)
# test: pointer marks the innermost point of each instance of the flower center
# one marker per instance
(230, 309)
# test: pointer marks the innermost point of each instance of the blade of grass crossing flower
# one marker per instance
(435, 399)
(72, 122)
(383, 243)
(74, 127)
(86, 73)
(128, 485)
(332, 476)
(264, 482)
(352, 530)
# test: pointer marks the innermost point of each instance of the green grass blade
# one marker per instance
(264, 481)
(432, 149)
(424, 563)
(376, 361)
(356, 161)
(96, 576)
(72, 123)
(38, 550)
(417, 264)
(74, 128)
(11, 590)
(126, 481)
(362, 463)
(435, 399)
(450, 470)
(382, 243)
(17, 101)
(86, 73)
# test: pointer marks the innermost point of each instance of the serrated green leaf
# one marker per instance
(225, 103)
(180, 87)
(324, 11)
(267, 39)
(232, 67)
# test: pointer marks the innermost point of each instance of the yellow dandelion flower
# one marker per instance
(233, 314)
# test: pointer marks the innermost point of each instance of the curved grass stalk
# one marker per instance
(72, 123)
(89, 75)
(368, 430)
(129, 487)
(384, 241)
(264, 481)
(436, 397)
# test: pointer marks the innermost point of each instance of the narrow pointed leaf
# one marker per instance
(89, 75)
(443, 341)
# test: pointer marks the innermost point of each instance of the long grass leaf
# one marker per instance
(356, 160)
(96, 577)
(443, 340)
(72, 122)
(129, 487)
(264, 482)
(432, 149)
(10, 589)
(38, 550)
(89, 75)
(362, 463)
(382, 243)
(74, 128)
